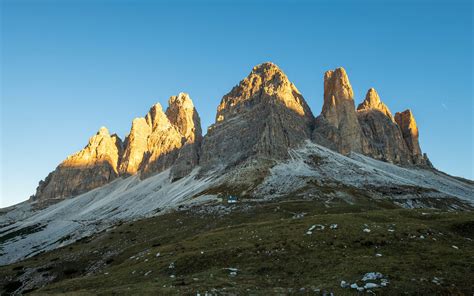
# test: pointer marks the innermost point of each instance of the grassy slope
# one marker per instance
(270, 248)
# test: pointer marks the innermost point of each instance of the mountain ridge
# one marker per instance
(257, 121)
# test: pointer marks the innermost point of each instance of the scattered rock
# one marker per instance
(370, 286)
(372, 276)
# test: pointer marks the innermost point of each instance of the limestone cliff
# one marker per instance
(337, 127)
(92, 167)
(262, 117)
(184, 116)
(406, 122)
(154, 142)
(383, 137)
(136, 146)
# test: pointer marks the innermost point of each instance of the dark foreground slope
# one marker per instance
(263, 248)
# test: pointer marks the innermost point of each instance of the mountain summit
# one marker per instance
(337, 126)
(262, 116)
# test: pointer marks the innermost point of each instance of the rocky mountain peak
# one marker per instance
(156, 118)
(103, 131)
(337, 89)
(337, 127)
(183, 115)
(266, 84)
(372, 102)
(262, 116)
(91, 167)
(406, 122)
(136, 144)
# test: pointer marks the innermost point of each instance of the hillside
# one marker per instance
(285, 247)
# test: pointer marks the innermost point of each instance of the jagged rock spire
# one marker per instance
(372, 102)
(406, 122)
(337, 126)
(383, 138)
(154, 141)
(136, 146)
(183, 115)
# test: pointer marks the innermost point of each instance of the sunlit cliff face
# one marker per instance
(407, 124)
(102, 147)
(372, 102)
(152, 146)
(266, 84)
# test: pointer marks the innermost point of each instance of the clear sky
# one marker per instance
(69, 67)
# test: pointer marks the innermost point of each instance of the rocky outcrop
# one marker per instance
(92, 167)
(383, 137)
(155, 141)
(162, 145)
(182, 114)
(136, 147)
(337, 127)
(372, 102)
(261, 117)
(406, 122)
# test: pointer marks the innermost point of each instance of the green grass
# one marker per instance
(271, 250)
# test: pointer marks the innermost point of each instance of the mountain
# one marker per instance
(257, 123)
(92, 167)
(384, 137)
(265, 146)
(337, 126)
(155, 143)
(261, 117)
(406, 122)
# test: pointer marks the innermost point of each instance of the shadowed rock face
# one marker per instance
(337, 127)
(384, 140)
(262, 116)
(92, 167)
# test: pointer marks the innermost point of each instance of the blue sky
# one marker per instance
(69, 67)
